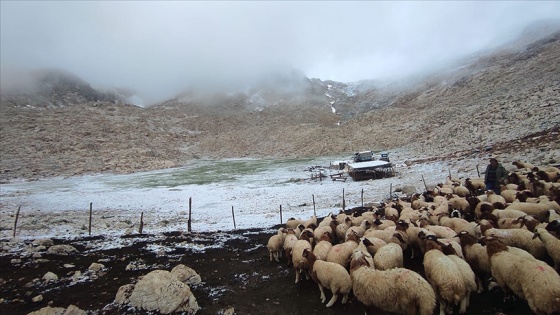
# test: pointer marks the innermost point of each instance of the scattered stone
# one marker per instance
(50, 276)
(38, 298)
(43, 242)
(62, 250)
(95, 267)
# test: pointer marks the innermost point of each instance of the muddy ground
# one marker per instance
(236, 274)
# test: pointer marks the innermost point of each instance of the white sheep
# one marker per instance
(322, 248)
(329, 275)
(340, 253)
(289, 241)
(538, 210)
(390, 290)
(275, 243)
(527, 277)
(520, 238)
(476, 256)
(446, 278)
(552, 245)
(388, 256)
(301, 264)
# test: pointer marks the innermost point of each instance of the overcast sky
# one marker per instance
(158, 48)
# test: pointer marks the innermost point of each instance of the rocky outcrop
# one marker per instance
(162, 291)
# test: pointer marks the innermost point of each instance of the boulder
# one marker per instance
(62, 250)
(161, 291)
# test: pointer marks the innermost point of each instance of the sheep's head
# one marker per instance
(494, 245)
(432, 243)
(358, 260)
(466, 239)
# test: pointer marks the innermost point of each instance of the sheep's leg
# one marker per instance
(442, 307)
(271, 255)
(479, 285)
(323, 297)
(345, 298)
(297, 275)
(276, 256)
(463, 305)
(333, 299)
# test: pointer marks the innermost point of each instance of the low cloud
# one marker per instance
(160, 48)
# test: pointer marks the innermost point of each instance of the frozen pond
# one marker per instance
(255, 188)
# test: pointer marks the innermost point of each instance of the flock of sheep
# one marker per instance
(470, 240)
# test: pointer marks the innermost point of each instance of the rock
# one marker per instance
(38, 298)
(49, 311)
(186, 274)
(43, 242)
(50, 276)
(62, 250)
(95, 267)
(124, 294)
(160, 291)
(15, 261)
(71, 310)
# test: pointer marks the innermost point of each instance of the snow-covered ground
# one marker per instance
(255, 189)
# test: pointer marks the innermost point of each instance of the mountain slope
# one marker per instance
(501, 101)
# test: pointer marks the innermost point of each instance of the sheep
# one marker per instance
(508, 213)
(388, 256)
(322, 248)
(523, 165)
(340, 253)
(293, 223)
(519, 238)
(385, 235)
(548, 176)
(329, 275)
(552, 245)
(457, 225)
(370, 245)
(275, 243)
(476, 187)
(289, 241)
(538, 210)
(476, 256)
(496, 200)
(461, 190)
(343, 227)
(528, 278)
(321, 229)
(359, 230)
(446, 278)
(299, 263)
(390, 290)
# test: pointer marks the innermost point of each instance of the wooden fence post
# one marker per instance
(314, 211)
(281, 215)
(362, 197)
(90, 215)
(343, 201)
(425, 186)
(233, 215)
(141, 227)
(15, 222)
(477, 171)
(391, 191)
(189, 220)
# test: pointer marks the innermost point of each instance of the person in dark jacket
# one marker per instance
(495, 175)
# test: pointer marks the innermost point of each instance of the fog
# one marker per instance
(160, 48)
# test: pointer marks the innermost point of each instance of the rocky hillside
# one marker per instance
(506, 101)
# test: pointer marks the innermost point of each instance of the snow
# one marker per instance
(255, 189)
